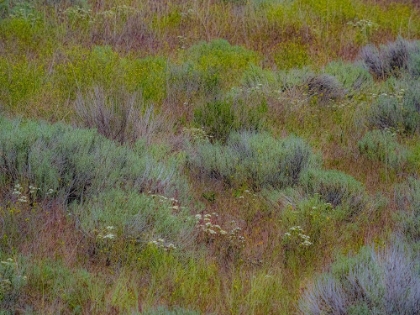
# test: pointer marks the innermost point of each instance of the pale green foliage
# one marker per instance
(71, 287)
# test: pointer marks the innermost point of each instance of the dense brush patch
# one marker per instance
(209, 157)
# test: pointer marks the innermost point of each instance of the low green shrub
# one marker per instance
(147, 76)
(382, 145)
(385, 282)
(336, 188)
(313, 215)
(292, 54)
(19, 81)
(220, 118)
(414, 64)
(254, 158)
(308, 225)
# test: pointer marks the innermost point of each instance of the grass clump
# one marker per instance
(382, 145)
(372, 282)
(254, 158)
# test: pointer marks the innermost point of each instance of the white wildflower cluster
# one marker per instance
(161, 243)
(173, 203)
(363, 24)
(121, 10)
(207, 224)
(25, 194)
(235, 237)
(76, 12)
(196, 134)
(398, 94)
(18, 192)
(297, 233)
(107, 233)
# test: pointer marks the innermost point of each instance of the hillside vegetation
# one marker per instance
(209, 157)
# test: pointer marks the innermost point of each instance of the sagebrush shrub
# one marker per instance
(324, 88)
(292, 78)
(77, 163)
(382, 145)
(385, 282)
(390, 59)
(407, 198)
(414, 64)
(352, 76)
(336, 188)
(389, 112)
(256, 158)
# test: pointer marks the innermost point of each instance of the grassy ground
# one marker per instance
(211, 157)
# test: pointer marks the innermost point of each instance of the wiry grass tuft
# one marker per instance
(123, 118)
